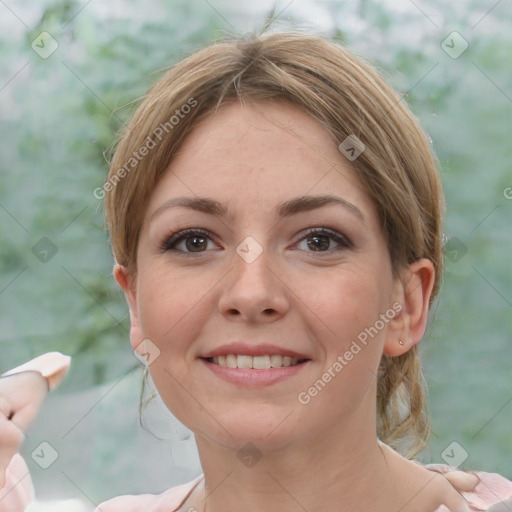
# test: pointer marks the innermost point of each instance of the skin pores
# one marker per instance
(311, 295)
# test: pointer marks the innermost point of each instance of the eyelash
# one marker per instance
(170, 242)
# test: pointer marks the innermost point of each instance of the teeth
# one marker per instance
(230, 361)
(276, 361)
(256, 362)
(244, 361)
(261, 362)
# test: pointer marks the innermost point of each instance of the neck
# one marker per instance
(355, 473)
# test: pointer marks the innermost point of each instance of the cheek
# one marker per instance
(351, 332)
(166, 307)
(174, 308)
(347, 301)
(353, 346)
(171, 313)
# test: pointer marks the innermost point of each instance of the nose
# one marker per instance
(254, 291)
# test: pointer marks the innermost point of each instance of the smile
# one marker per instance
(254, 371)
(264, 362)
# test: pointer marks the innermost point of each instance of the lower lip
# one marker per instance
(252, 377)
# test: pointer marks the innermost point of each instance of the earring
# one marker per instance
(401, 342)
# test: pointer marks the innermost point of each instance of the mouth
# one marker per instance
(255, 371)
(255, 363)
(263, 362)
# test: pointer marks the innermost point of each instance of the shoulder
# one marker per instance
(484, 491)
(168, 501)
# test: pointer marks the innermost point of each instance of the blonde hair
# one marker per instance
(348, 97)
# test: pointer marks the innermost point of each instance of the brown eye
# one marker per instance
(195, 243)
(319, 240)
(190, 240)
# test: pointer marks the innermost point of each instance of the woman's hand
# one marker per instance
(22, 391)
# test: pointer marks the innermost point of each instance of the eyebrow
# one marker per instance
(286, 209)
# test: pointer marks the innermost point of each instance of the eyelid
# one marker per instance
(178, 236)
(340, 238)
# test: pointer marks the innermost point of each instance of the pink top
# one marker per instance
(493, 494)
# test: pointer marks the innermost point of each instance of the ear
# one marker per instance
(413, 291)
(127, 283)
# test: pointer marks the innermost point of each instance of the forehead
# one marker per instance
(259, 154)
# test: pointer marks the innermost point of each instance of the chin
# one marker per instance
(263, 433)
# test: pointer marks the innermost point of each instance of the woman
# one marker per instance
(275, 217)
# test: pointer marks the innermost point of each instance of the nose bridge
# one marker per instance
(251, 264)
(253, 287)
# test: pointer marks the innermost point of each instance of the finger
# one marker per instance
(5, 408)
(462, 480)
(52, 365)
(24, 392)
(18, 491)
(457, 504)
(20, 398)
(11, 438)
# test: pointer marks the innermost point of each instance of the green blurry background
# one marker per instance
(59, 114)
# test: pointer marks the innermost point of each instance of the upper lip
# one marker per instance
(251, 349)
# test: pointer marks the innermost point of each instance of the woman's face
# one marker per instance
(264, 273)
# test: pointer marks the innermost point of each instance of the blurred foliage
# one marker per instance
(61, 114)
